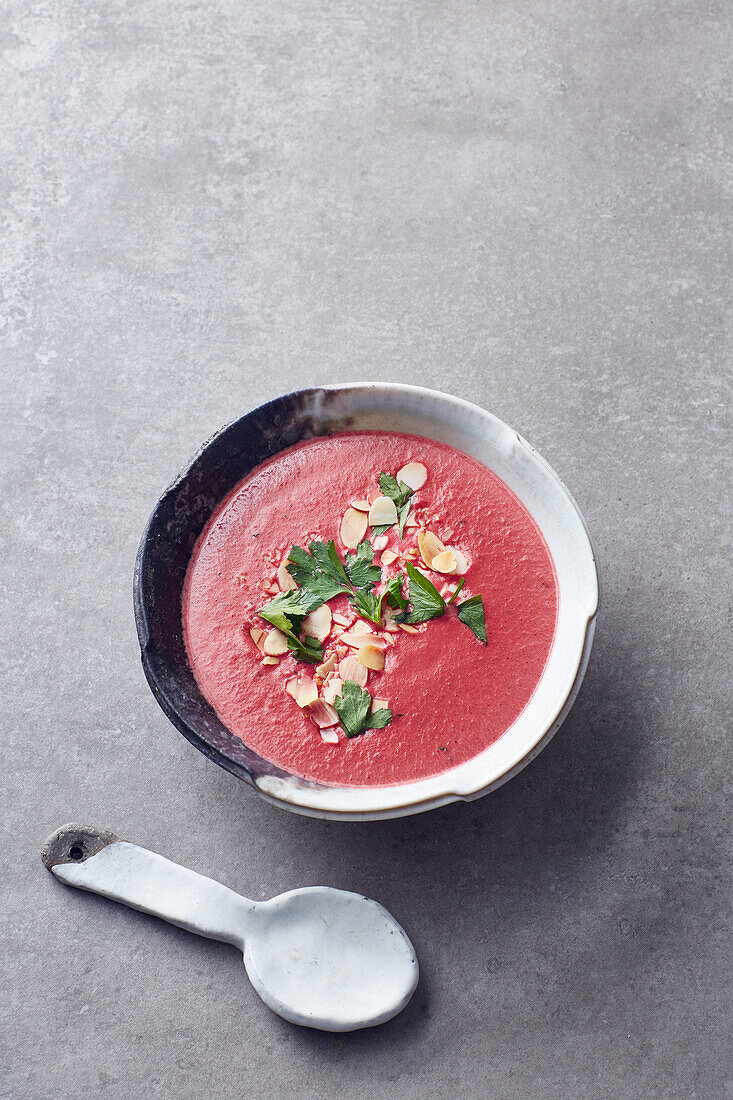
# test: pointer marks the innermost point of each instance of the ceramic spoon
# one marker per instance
(320, 957)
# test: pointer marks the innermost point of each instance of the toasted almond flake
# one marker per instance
(285, 579)
(430, 546)
(360, 505)
(353, 528)
(323, 714)
(388, 557)
(330, 736)
(389, 640)
(327, 666)
(408, 628)
(351, 669)
(303, 690)
(318, 623)
(274, 589)
(380, 542)
(412, 522)
(389, 621)
(461, 562)
(357, 640)
(379, 704)
(383, 511)
(258, 636)
(360, 627)
(270, 660)
(275, 643)
(413, 474)
(332, 689)
(444, 562)
(371, 656)
(342, 620)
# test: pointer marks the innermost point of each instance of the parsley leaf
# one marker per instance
(401, 494)
(393, 592)
(425, 600)
(353, 706)
(361, 572)
(319, 571)
(471, 612)
(461, 583)
(287, 612)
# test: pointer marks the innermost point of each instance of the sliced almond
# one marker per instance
(461, 563)
(413, 474)
(274, 589)
(330, 736)
(342, 620)
(412, 522)
(303, 690)
(380, 542)
(327, 666)
(444, 562)
(270, 660)
(360, 505)
(388, 557)
(382, 512)
(258, 636)
(353, 528)
(323, 714)
(371, 656)
(332, 689)
(318, 623)
(408, 628)
(275, 643)
(285, 579)
(379, 704)
(389, 620)
(360, 627)
(351, 669)
(430, 546)
(358, 640)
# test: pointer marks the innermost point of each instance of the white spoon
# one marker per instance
(320, 957)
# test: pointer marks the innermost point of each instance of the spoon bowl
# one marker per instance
(324, 955)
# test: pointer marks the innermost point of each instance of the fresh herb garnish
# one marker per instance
(393, 592)
(287, 612)
(362, 573)
(319, 570)
(353, 706)
(471, 612)
(461, 583)
(425, 600)
(401, 494)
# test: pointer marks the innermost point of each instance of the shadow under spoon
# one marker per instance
(320, 957)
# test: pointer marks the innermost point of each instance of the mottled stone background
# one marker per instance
(523, 203)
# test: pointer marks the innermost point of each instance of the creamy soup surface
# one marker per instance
(448, 694)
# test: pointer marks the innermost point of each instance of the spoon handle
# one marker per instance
(100, 862)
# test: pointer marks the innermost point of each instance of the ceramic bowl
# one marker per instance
(184, 508)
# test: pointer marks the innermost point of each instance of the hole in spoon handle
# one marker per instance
(74, 844)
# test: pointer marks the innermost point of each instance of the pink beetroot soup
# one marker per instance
(450, 695)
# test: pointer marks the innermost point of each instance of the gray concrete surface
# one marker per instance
(523, 203)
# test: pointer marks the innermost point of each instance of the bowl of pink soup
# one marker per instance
(366, 601)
